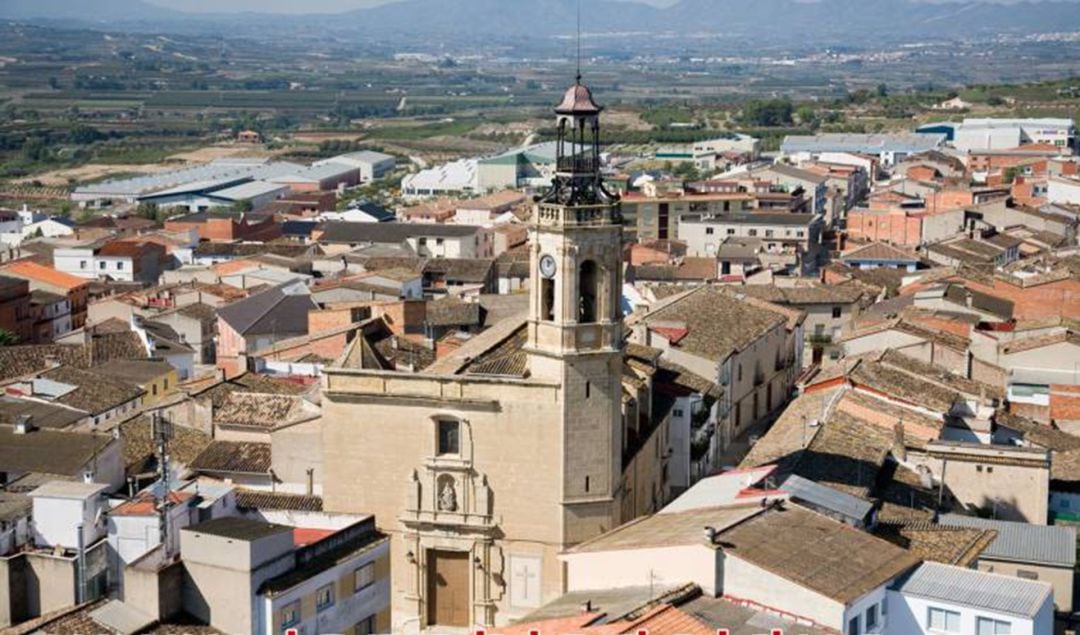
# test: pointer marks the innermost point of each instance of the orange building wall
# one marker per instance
(895, 227)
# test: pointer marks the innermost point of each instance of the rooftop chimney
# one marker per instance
(24, 424)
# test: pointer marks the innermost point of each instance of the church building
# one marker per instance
(536, 435)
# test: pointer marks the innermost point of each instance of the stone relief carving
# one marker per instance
(447, 496)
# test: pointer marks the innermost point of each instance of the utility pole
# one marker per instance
(162, 431)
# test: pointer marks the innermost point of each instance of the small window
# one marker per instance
(837, 312)
(978, 468)
(366, 626)
(677, 413)
(324, 597)
(438, 241)
(82, 264)
(739, 373)
(120, 266)
(768, 233)
(800, 233)
(753, 232)
(102, 264)
(449, 437)
(853, 626)
(989, 469)
(871, 618)
(588, 389)
(364, 577)
(730, 232)
(165, 383)
(290, 615)
(153, 390)
(942, 621)
(988, 626)
(586, 484)
(1027, 574)
(709, 231)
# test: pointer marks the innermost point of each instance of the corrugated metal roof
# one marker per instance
(1022, 542)
(976, 589)
(826, 497)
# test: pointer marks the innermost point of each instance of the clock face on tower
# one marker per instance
(547, 266)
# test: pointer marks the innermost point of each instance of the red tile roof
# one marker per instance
(144, 505)
(305, 536)
(46, 275)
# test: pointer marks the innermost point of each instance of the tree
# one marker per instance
(882, 90)
(688, 171)
(806, 114)
(7, 338)
(995, 100)
(148, 211)
(242, 206)
(1009, 175)
(767, 113)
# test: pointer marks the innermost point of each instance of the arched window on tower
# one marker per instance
(547, 299)
(588, 281)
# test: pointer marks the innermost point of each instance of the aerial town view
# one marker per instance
(539, 317)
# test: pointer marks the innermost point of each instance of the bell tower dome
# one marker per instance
(576, 240)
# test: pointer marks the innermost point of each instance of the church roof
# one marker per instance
(578, 100)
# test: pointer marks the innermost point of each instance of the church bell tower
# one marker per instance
(575, 327)
(576, 243)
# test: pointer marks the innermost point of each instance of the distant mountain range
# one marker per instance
(798, 19)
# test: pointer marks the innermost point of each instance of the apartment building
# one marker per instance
(249, 576)
(16, 317)
(790, 242)
(46, 279)
(656, 216)
(116, 260)
(752, 349)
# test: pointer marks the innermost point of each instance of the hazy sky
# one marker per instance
(333, 6)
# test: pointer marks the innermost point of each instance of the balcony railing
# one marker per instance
(580, 216)
(578, 165)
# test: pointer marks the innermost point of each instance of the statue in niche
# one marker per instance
(447, 497)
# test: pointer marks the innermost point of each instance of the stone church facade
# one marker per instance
(531, 438)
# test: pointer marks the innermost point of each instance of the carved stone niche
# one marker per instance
(455, 496)
(446, 492)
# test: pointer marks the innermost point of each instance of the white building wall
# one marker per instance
(747, 582)
(908, 615)
(1062, 190)
(56, 521)
(345, 613)
(663, 566)
(75, 261)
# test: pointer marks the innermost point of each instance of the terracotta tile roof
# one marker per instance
(879, 251)
(128, 249)
(46, 275)
(262, 411)
(451, 311)
(258, 499)
(805, 294)
(135, 371)
(146, 505)
(960, 546)
(816, 552)
(95, 393)
(1032, 343)
(717, 322)
(139, 449)
(248, 382)
(49, 451)
(234, 457)
(508, 358)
